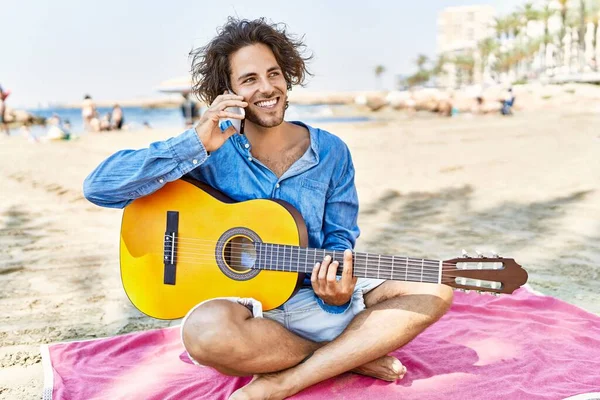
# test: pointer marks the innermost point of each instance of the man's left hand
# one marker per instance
(332, 291)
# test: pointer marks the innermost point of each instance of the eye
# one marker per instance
(249, 80)
(275, 73)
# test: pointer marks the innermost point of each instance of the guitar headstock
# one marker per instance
(488, 274)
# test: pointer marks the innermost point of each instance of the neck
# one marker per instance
(274, 138)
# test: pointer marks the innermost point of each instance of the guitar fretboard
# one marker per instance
(276, 257)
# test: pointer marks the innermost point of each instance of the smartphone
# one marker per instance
(238, 124)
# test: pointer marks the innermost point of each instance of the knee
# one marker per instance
(446, 295)
(209, 330)
(440, 299)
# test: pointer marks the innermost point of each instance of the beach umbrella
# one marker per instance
(176, 85)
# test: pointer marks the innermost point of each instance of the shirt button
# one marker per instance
(249, 158)
(194, 162)
(246, 145)
(161, 180)
(277, 186)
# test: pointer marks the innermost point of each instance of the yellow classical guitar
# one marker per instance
(187, 243)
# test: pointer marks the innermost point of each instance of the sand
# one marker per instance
(525, 186)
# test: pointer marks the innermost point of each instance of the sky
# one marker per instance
(57, 51)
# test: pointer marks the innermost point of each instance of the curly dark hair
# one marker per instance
(210, 64)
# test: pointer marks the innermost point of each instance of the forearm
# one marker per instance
(130, 174)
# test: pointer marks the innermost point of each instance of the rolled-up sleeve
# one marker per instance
(130, 174)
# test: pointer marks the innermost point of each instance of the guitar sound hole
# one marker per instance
(240, 254)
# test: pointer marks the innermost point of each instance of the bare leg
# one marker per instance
(396, 313)
(223, 335)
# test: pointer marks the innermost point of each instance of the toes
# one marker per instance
(398, 368)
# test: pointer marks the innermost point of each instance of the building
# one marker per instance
(459, 30)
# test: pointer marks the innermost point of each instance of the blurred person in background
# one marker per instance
(189, 110)
(105, 124)
(507, 102)
(57, 131)
(88, 112)
(117, 117)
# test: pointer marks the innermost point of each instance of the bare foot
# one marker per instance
(387, 368)
(261, 387)
(270, 386)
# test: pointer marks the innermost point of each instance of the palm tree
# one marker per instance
(438, 68)
(422, 75)
(530, 12)
(582, 29)
(545, 14)
(486, 48)
(516, 24)
(422, 59)
(593, 18)
(465, 65)
(501, 27)
(379, 70)
(563, 26)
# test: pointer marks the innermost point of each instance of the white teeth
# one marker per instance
(269, 103)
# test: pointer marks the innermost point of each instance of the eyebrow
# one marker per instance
(249, 74)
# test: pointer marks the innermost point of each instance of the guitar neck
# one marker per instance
(285, 258)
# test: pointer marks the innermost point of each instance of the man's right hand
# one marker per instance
(208, 128)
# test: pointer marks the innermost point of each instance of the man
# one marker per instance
(189, 110)
(117, 118)
(507, 102)
(330, 326)
(89, 114)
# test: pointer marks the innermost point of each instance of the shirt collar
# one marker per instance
(242, 140)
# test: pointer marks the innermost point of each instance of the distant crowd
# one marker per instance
(93, 122)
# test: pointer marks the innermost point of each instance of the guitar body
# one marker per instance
(207, 220)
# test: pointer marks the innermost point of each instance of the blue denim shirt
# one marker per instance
(320, 185)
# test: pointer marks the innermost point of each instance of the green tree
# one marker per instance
(379, 71)
(593, 18)
(465, 66)
(545, 14)
(423, 75)
(563, 27)
(486, 48)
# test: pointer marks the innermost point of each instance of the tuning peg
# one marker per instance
(468, 291)
(465, 254)
(494, 254)
(495, 294)
(480, 254)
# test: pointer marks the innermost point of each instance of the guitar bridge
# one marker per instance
(170, 247)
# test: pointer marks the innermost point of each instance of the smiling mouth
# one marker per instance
(267, 104)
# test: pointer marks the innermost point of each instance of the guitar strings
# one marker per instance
(292, 247)
(381, 260)
(412, 270)
(386, 264)
(385, 261)
(210, 243)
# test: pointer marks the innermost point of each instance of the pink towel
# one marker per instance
(522, 346)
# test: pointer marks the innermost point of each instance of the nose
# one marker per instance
(266, 87)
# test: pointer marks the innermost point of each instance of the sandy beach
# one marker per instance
(526, 187)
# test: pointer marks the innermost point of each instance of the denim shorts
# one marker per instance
(305, 314)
